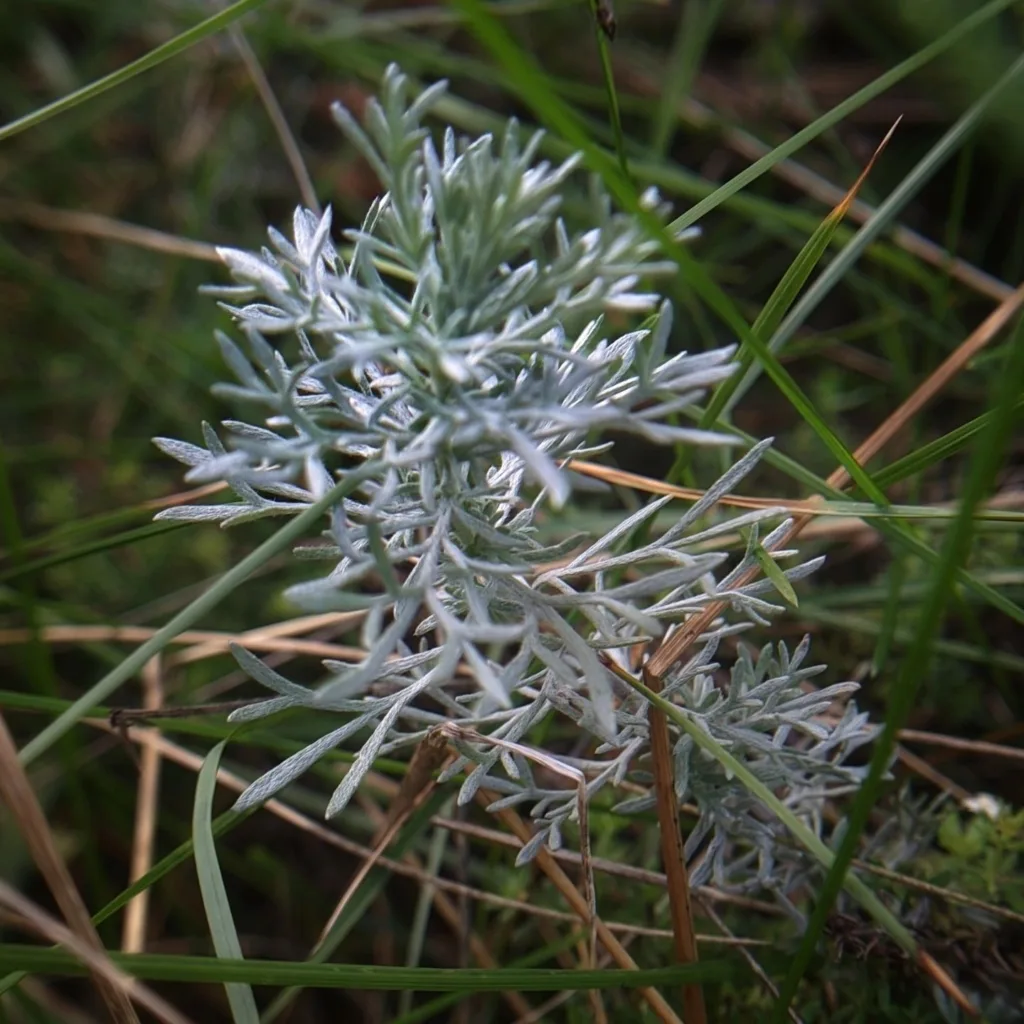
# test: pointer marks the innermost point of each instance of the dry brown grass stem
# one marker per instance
(979, 747)
(133, 934)
(547, 863)
(96, 225)
(17, 793)
(30, 916)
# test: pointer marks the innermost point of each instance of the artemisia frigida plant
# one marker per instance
(455, 361)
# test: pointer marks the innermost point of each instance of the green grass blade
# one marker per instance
(211, 886)
(894, 532)
(803, 405)
(94, 547)
(184, 852)
(206, 601)
(80, 528)
(124, 74)
(210, 970)
(983, 468)
(608, 74)
(435, 1006)
(164, 866)
(784, 295)
(890, 615)
(935, 451)
(696, 24)
(915, 513)
(903, 638)
(773, 571)
(841, 110)
(433, 863)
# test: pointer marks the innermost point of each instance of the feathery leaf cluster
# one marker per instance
(455, 361)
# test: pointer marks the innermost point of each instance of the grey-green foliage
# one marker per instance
(457, 397)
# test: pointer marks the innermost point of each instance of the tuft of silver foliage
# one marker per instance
(458, 359)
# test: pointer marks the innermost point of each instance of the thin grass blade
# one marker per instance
(884, 82)
(156, 56)
(208, 600)
(209, 970)
(211, 885)
(696, 24)
(362, 900)
(880, 221)
(785, 293)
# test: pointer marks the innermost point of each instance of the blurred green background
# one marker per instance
(107, 343)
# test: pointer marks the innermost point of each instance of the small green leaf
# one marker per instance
(951, 835)
(772, 570)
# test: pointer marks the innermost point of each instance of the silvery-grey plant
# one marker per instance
(453, 363)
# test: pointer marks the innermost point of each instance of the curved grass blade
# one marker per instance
(886, 213)
(155, 56)
(206, 601)
(990, 451)
(94, 547)
(211, 886)
(918, 60)
(785, 293)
